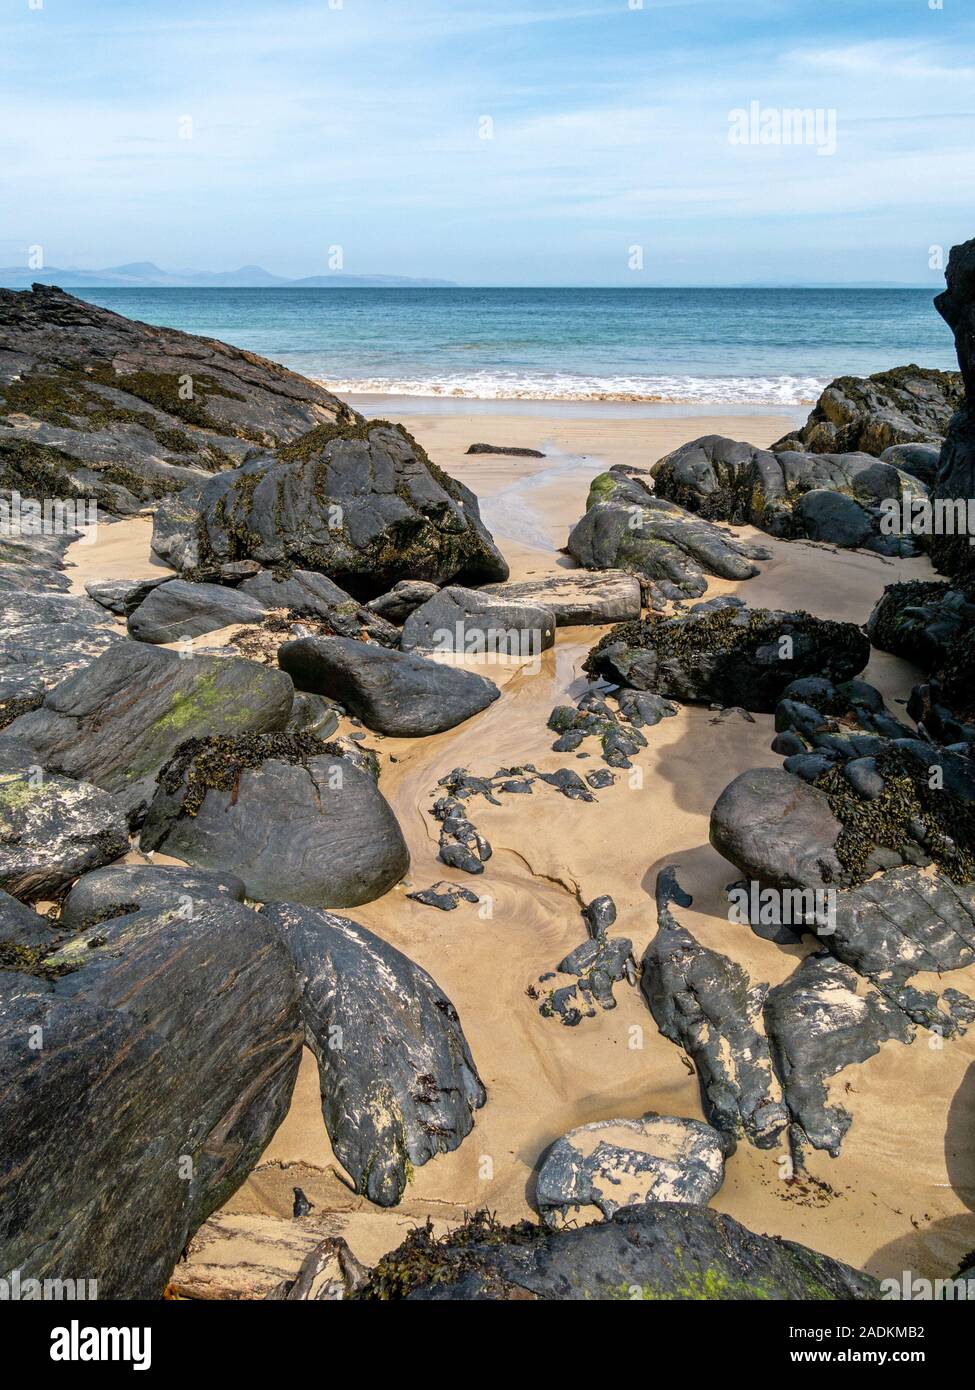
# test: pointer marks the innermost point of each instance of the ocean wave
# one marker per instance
(663, 390)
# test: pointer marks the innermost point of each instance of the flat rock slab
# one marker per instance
(177, 610)
(474, 621)
(170, 1053)
(125, 888)
(53, 828)
(623, 1163)
(316, 831)
(578, 598)
(398, 1081)
(122, 596)
(116, 722)
(633, 1256)
(392, 692)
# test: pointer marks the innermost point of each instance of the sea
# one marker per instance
(677, 347)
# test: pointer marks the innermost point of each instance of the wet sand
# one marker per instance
(902, 1193)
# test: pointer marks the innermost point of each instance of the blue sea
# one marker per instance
(681, 346)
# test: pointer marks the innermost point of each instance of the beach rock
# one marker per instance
(721, 652)
(396, 693)
(594, 717)
(578, 598)
(44, 637)
(122, 596)
(118, 721)
(792, 494)
(632, 1256)
(508, 449)
(125, 888)
(906, 405)
(461, 845)
(359, 501)
(954, 554)
(817, 1024)
(628, 527)
(922, 621)
(31, 557)
(443, 895)
(706, 1004)
(919, 460)
(308, 594)
(777, 829)
(101, 406)
(398, 1081)
(286, 812)
(624, 1163)
(177, 610)
(171, 1047)
(52, 828)
(399, 603)
(475, 622)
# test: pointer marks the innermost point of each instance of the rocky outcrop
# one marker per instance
(398, 1081)
(627, 527)
(706, 1004)
(287, 813)
(906, 405)
(171, 1046)
(722, 652)
(118, 721)
(392, 692)
(578, 598)
(840, 498)
(360, 502)
(623, 1163)
(953, 553)
(474, 622)
(94, 405)
(664, 1250)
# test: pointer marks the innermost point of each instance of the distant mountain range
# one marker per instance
(145, 275)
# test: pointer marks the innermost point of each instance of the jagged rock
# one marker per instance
(907, 405)
(177, 610)
(623, 1163)
(631, 1257)
(822, 496)
(578, 598)
(398, 1081)
(399, 603)
(706, 1004)
(125, 888)
(313, 714)
(461, 845)
(116, 722)
(512, 451)
(122, 596)
(619, 739)
(777, 829)
(722, 652)
(443, 895)
(171, 1047)
(96, 405)
(392, 692)
(52, 828)
(627, 527)
(307, 594)
(476, 623)
(359, 501)
(286, 812)
(818, 1024)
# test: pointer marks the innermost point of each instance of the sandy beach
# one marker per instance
(911, 1106)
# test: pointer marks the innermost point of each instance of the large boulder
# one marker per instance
(177, 610)
(474, 622)
(94, 405)
(398, 1081)
(628, 527)
(121, 889)
(171, 1043)
(360, 502)
(287, 813)
(118, 721)
(906, 405)
(778, 830)
(392, 692)
(621, 1163)
(661, 1251)
(44, 637)
(578, 598)
(722, 652)
(954, 554)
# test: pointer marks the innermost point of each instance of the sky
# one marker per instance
(491, 142)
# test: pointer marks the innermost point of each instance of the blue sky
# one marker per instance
(359, 123)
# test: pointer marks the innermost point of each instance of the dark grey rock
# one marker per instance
(125, 888)
(476, 622)
(398, 1081)
(443, 895)
(399, 603)
(179, 609)
(823, 515)
(577, 597)
(396, 693)
(122, 596)
(778, 830)
(905, 405)
(511, 450)
(918, 460)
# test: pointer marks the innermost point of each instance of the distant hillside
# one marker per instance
(145, 275)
